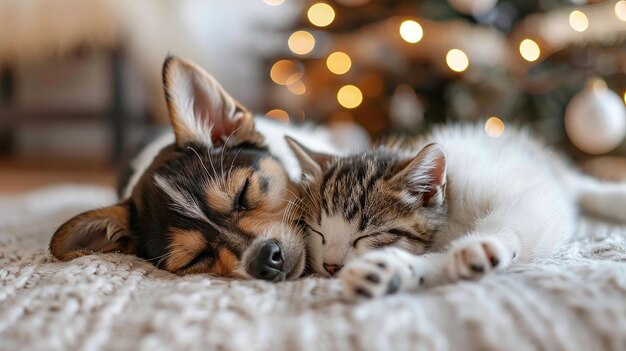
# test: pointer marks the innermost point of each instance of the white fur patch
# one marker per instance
(183, 202)
(141, 163)
(181, 92)
(339, 234)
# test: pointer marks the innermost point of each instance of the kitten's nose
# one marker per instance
(332, 269)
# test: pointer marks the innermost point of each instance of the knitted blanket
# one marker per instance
(574, 301)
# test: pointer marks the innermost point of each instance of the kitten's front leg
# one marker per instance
(389, 271)
(473, 256)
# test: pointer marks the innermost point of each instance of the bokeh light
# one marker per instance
(301, 42)
(284, 72)
(620, 10)
(349, 96)
(278, 115)
(494, 127)
(273, 2)
(624, 97)
(297, 87)
(338, 62)
(578, 21)
(529, 49)
(457, 60)
(411, 31)
(321, 14)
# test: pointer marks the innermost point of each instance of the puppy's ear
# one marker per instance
(102, 230)
(311, 162)
(201, 111)
(425, 174)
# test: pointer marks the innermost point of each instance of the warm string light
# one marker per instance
(494, 127)
(578, 21)
(321, 14)
(349, 96)
(273, 2)
(278, 115)
(529, 49)
(301, 42)
(457, 60)
(620, 10)
(338, 62)
(625, 97)
(285, 72)
(411, 31)
(297, 87)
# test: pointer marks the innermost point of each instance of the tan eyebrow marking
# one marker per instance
(226, 263)
(220, 195)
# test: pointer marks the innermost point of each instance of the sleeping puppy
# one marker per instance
(216, 196)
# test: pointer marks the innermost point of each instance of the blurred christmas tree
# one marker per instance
(400, 66)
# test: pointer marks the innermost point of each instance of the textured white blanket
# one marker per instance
(576, 301)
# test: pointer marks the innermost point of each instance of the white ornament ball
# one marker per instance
(472, 7)
(595, 119)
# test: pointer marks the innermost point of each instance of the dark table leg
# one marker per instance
(7, 85)
(118, 109)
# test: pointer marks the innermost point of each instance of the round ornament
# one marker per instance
(595, 119)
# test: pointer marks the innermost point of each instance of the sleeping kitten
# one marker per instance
(465, 205)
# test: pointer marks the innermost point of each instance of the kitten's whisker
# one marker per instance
(295, 204)
(298, 198)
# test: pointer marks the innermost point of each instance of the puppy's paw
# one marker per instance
(472, 257)
(380, 273)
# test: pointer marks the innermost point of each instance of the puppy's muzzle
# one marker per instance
(267, 262)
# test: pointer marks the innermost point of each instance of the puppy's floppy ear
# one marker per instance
(425, 174)
(102, 230)
(311, 162)
(201, 111)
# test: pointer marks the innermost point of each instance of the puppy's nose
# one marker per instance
(268, 262)
(332, 269)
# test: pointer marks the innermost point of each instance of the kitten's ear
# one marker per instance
(102, 230)
(201, 111)
(425, 174)
(310, 161)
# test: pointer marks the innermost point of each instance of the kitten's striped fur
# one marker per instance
(398, 218)
(364, 199)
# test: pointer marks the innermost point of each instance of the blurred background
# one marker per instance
(80, 81)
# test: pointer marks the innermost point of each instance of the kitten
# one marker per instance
(465, 205)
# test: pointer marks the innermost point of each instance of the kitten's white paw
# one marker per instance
(472, 257)
(382, 272)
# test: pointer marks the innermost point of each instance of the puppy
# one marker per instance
(215, 196)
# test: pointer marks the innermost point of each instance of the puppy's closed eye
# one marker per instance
(241, 200)
(206, 256)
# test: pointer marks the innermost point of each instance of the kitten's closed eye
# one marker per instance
(320, 234)
(378, 240)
